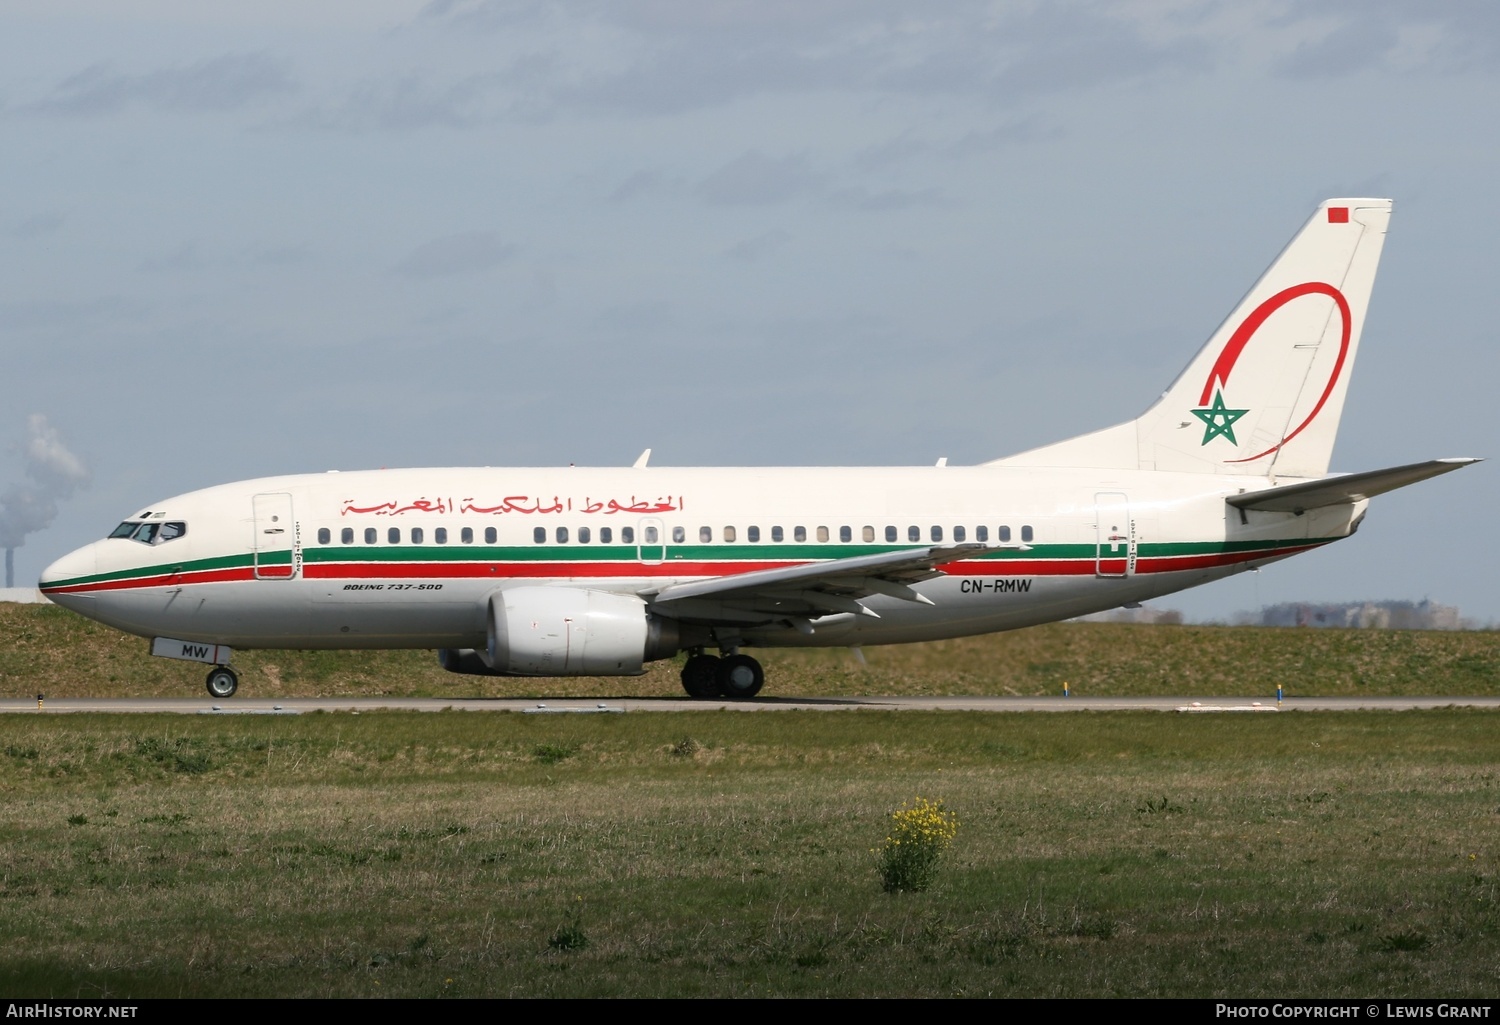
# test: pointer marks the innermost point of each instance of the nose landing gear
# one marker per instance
(222, 682)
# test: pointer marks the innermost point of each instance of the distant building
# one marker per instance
(23, 595)
(1364, 615)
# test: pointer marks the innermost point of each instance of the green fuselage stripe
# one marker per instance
(562, 554)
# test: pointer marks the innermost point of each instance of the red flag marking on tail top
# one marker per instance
(1338, 215)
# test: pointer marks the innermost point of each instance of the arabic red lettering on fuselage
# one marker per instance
(525, 504)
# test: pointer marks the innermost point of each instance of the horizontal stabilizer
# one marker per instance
(1348, 487)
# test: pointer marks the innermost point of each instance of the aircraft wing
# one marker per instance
(811, 589)
(1347, 487)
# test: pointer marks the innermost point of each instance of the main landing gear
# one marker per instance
(733, 676)
(222, 682)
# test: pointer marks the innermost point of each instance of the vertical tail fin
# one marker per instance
(1264, 396)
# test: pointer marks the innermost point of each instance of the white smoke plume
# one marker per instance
(53, 475)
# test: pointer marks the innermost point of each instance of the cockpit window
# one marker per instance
(151, 533)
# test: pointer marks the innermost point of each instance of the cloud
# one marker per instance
(465, 253)
(35, 225)
(1334, 39)
(485, 16)
(411, 102)
(893, 151)
(1015, 133)
(269, 255)
(72, 316)
(1068, 47)
(1348, 49)
(183, 258)
(220, 84)
(642, 183)
(753, 179)
(637, 318)
(753, 248)
(860, 198)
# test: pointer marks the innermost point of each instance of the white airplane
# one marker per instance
(597, 571)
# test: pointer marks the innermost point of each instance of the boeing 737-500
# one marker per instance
(598, 571)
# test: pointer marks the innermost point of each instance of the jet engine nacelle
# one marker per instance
(566, 631)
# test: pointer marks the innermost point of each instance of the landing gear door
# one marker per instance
(1114, 552)
(277, 551)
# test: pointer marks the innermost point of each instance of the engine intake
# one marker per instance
(566, 631)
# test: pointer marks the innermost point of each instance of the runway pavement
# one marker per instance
(607, 705)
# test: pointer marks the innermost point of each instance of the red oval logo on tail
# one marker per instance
(1218, 375)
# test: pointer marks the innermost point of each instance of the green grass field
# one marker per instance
(713, 854)
(63, 655)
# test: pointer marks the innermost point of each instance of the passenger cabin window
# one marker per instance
(937, 533)
(890, 533)
(346, 536)
(539, 535)
(1004, 534)
(416, 535)
(490, 535)
(627, 535)
(651, 534)
(959, 533)
(823, 533)
(370, 535)
(440, 535)
(562, 535)
(583, 535)
(393, 535)
(729, 534)
(799, 533)
(679, 534)
(867, 532)
(466, 535)
(981, 533)
(705, 534)
(914, 533)
(606, 535)
(846, 534)
(324, 535)
(1026, 534)
(752, 533)
(776, 534)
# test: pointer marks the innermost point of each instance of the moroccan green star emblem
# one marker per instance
(1219, 420)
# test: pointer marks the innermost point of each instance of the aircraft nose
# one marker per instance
(70, 569)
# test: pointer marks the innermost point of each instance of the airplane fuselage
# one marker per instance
(408, 558)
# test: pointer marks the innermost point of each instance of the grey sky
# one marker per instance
(237, 242)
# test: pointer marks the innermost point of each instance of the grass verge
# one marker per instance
(49, 649)
(708, 854)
